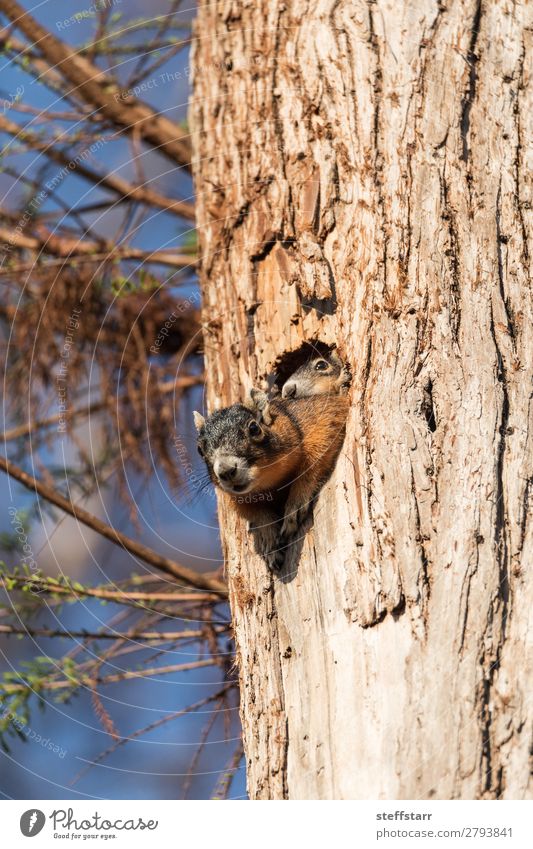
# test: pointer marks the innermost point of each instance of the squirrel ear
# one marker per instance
(260, 403)
(256, 401)
(199, 420)
(334, 357)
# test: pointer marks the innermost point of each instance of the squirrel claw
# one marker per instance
(275, 560)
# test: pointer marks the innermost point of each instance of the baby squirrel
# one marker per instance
(319, 375)
(271, 456)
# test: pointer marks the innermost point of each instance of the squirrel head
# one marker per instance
(237, 443)
(319, 375)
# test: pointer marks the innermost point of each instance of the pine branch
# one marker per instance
(115, 678)
(23, 56)
(76, 250)
(30, 428)
(121, 187)
(77, 591)
(182, 573)
(166, 637)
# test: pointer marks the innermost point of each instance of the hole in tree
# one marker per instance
(289, 362)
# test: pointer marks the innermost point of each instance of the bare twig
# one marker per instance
(121, 187)
(99, 90)
(31, 427)
(200, 748)
(166, 636)
(115, 678)
(225, 780)
(76, 249)
(48, 585)
(182, 573)
(152, 726)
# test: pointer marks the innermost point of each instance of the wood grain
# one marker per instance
(362, 177)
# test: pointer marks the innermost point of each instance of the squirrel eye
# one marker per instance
(321, 365)
(254, 429)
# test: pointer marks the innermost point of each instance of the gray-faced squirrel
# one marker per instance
(321, 374)
(271, 456)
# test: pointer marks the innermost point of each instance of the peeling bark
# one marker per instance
(362, 178)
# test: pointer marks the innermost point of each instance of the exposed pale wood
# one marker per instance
(362, 176)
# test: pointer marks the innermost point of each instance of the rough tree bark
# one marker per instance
(361, 178)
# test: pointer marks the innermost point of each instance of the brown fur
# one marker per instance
(312, 430)
(291, 461)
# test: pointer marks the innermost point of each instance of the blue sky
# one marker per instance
(153, 766)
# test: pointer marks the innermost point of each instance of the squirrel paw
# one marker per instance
(267, 542)
(343, 381)
(259, 403)
(289, 527)
(293, 522)
(275, 560)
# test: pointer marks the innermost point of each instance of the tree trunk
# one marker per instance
(361, 179)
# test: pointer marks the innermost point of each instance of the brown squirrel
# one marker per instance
(271, 457)
(323, 374)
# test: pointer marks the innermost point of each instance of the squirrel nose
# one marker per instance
(226, 470)
(289, 390)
